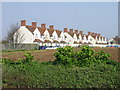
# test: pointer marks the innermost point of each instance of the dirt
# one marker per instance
(48, 55)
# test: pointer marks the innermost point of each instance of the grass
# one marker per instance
(42, 75)
(16, 50)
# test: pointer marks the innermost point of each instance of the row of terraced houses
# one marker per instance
(52, 37)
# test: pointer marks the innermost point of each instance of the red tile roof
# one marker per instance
(41, 30)
(31, 28)
(80, 43)
(47, 41)
(37, 40)
(55, 41)
(50, 31)
(85, 43)
(87, 37)
(75, 42)
(71, 33)
(62, 42)
(58, 32)
(89, 43)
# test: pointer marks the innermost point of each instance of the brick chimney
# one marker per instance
(23, 22)
(51, 27)
(65, 29)
(76, 31)
(98, 34)
(71, 30)
(43, 25)
(81, 32)
(34, 23)
(89, 33)
(93, 34)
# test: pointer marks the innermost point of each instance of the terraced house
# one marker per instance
(29, 34)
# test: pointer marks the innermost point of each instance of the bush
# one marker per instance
(64, 55)
(85, 57)
(28, 58)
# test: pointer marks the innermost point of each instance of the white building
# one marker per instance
(52, 37)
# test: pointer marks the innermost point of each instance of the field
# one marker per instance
(45, 74)
(47, 55)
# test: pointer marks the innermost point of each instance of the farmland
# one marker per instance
(67, 69)
(47, 55)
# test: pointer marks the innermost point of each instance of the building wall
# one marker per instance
(23, 35)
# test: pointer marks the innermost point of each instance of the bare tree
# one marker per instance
(9, 38)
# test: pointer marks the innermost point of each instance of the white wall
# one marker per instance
(23, 35)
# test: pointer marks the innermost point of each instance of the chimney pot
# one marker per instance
(51, 27)
(65, 29)
(34, 23)
(93, 34)
(76, 31)
(43, 25)
(23, 22)
(71, 30)
(89, 33)
(81, 32)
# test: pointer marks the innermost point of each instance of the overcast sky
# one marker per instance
(98, 17)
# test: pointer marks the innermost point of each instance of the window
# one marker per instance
(36, 35)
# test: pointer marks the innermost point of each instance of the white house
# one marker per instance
(53, 37)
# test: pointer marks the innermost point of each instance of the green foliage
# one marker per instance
(64, 55)
(28, 58)
(85, 57)
(27, 74)
(42, 75)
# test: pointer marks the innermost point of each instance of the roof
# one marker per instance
(80, 43)
(77, 35)
(62, 42)
(31, 28)
(85, 43)
(75, 42)
(50, 31)
(47, 41)
(94, 37)
(37, 40)
(87, 37)
(41, 30)
(58, 32)
(71, 33)
(89, 43)
(55, 41)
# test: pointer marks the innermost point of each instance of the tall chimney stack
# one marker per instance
(81, 32)
(71, 30)
(23, 22)
(93, 34)
(65, 29)
(89, 33)
(76, 31)
(34, 23)
(51, 27)
(43, 25)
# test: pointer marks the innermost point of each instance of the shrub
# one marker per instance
(28, 58)
(64, 55)
(85, 57)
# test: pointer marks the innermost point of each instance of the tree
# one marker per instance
(9, 38)
(117, 39)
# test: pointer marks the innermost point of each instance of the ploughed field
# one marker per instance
(47, 55)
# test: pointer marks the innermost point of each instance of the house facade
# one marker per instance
(53, 37)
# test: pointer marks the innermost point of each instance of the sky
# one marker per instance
(98, 17)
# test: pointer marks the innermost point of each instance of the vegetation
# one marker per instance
(85, 57)
(71, 69)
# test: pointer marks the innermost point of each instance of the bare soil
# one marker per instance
(48, 55)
